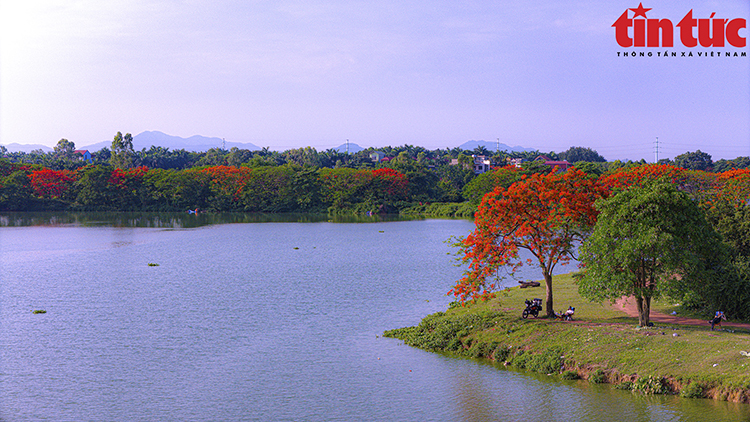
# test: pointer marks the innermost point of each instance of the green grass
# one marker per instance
(602, 341)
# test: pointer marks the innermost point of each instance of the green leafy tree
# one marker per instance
(592, 169)
(536, 166)
(16, 192)
(648, 241)
(738, 163)
(307, 156)
(64, 149)
(94, 191)
(485, 183)
(173, 190)
(574, 154)
(694, 161)
(452, 181)
(122, 151)
(305, 189)
(466, 161)
(102, 156)
(214, 157)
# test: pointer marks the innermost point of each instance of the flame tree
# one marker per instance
(545, 214)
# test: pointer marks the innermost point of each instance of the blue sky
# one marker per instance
(289, 74)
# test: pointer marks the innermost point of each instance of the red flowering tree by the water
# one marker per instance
(227, 183)
(126, 187)
(51, 183)
(390, 185)
(543, 214)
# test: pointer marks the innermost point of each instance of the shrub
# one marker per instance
(570, 375)
(693, 390)
(446, 332)
(625, 385)
(501, 353)
(650, 385)
(547, 362)
(597, 377)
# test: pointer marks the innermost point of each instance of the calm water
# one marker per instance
(257, 321)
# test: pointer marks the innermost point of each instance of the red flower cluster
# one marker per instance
(51, 183)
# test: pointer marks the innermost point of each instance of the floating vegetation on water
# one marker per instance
(39, 311)
(296, 247)
(151, 264)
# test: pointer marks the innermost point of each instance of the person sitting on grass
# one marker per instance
(717, 319)
(569, 313)
(567, 316)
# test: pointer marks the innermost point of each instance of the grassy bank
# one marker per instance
(441, 209)
(602, 345)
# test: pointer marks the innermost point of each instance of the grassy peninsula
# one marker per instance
(603, 344)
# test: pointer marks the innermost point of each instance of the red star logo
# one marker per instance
(640, 10)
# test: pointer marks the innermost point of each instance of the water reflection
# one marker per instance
(511, 394)
(175, 220)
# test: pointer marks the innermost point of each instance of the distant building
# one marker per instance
(84, 154)
(377, 156)
(481, 164)
(515, 162)
(562, 166)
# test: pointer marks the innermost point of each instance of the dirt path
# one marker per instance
(627, 305)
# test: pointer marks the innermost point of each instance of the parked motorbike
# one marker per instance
(532, 308)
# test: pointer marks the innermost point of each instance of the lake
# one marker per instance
(245, 319)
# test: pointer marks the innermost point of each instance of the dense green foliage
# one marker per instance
(576, 154)
(648, 241)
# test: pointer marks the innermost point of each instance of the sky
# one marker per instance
(288, 74)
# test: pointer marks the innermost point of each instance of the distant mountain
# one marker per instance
(194, 143)
(353, 148)
(14, 147)
(492, 146)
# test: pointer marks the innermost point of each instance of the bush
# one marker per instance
(480, 350)
(547, 362)
(625, 385)
(597, 377)
(650, 385)
(501, 353)
(570, 375)
(447, 332)
(693, 390)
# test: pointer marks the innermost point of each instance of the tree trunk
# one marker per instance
(644, 310)
(548, 285)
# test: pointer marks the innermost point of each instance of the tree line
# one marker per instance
(297, 180)
(121, 154)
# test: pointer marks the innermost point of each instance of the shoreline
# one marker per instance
(602, 345)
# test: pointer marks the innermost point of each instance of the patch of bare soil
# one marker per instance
(627, 305)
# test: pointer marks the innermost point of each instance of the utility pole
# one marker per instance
(347, 147)
(223, 144)
(497, 150)
(656, 151)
